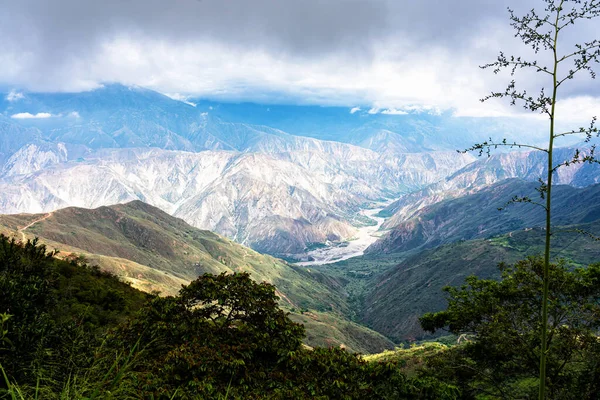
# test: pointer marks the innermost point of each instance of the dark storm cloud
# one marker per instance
(305, 28)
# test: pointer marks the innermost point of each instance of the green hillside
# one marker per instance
(332, 330)
(476, 216)
(151, 238)
(392, 302)
(155, 251)
(71, 331)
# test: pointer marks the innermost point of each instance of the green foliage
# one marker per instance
(70, 331)
(501, 320)
(52, 311)
(226, 333)
(544, 30)
(26, 283)
(220, 328)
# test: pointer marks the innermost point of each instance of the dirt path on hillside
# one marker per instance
(22, 230)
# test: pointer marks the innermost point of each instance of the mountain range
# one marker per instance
(478, 216)
(526, 165)
(275, 192)
(158, 191)
(399, 280)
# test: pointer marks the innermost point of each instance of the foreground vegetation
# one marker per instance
(499, 321)
(70, 331)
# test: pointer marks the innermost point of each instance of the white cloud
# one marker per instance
(180, 97)
(398, 75)
(393, 111)
(27, 115)
(393, 76)
(576, 109)
(74, 114)
(14, 96)
(574, 113)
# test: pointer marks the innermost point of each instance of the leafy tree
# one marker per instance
(52, 314)
(544, 32)
(26, 282)
(501, 319)
(221, 330)
(67, 330)
(225, 334)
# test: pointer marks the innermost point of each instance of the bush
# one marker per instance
(502, 320)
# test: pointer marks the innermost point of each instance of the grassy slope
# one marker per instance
(410, 358)
(152, 240)
(155, 251)
(476, 216)
(399, 296)
(331, 330)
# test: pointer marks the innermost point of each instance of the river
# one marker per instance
(355, 247)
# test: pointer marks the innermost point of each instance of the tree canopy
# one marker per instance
(500, 321)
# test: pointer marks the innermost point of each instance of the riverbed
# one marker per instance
(355, 247)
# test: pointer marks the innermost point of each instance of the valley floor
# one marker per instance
(355, 247)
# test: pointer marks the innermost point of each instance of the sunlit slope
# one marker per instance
(157, 251)
(476, 216)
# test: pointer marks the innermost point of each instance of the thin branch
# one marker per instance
(521, 199)
(528, 30)
(588, 10)
(523, 64)
(540, 104)
(584, 59)
(580, 49)
(572, 73)
(489, 144)
(574, 132)
(580, 158)
(516, 62)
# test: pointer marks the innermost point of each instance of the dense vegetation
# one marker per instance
(499, 322)
(53, 316)
(70, 331)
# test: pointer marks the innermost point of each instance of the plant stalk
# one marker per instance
(546, 271)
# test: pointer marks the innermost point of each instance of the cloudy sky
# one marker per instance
(393, 54)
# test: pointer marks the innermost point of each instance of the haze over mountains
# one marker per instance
(256, 184)
(221, 167)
